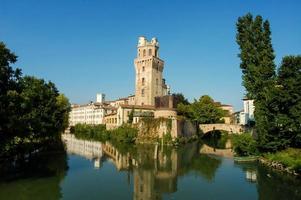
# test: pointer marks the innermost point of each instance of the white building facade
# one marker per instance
(247, 116)
(92, 113)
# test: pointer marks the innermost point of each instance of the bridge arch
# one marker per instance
(230, 128)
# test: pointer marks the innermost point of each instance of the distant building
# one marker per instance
(247, 115)
(228, 119)
(91, 113)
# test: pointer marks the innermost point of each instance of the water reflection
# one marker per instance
(155, 169)
(114, 171)
(39, 177)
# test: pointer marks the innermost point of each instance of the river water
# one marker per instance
(93, 170)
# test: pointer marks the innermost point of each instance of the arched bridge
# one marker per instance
(231, 128)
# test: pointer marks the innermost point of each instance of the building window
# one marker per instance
(149, 52)
(143, 68)
(144, 52)
(157, 82)
(142, 92)
(143, 81)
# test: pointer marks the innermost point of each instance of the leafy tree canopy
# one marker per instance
(203, 111)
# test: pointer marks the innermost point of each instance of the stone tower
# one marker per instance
(149, 68)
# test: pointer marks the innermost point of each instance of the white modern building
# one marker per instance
(247, 115)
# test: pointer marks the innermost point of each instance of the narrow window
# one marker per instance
(157, 82)
(143, 81)
(143, 68)
(144, 52)
(149, 52)
(142, 92)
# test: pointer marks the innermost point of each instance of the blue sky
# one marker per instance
(87, 46)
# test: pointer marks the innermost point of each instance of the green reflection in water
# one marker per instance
(117, 171)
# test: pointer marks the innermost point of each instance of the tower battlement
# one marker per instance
(142, 41)
(147, 48)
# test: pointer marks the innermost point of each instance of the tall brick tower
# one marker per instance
(149, 68)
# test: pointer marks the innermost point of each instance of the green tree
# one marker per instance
(9, 88)
(64, 109)
(203, 111)
(182, 103)
(258, 68)
(40, 114)
(32, 113)
(131, 116)
(180, 98)
(287, 102)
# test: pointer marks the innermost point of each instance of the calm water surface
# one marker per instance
(107, 171)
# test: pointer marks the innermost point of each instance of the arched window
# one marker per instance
(144, 52)
(143, 68)
(143, 81)
(149, 52)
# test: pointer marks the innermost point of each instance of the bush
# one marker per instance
(167, 139)
(88, 132)
(290, 158)
(244, 145)
(124, 133)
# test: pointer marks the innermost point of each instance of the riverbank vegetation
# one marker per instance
(276, 93)
(244, 145)
(289, 158)
(122, 134)
(32, 111)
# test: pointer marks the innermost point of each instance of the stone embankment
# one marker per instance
(277, 166)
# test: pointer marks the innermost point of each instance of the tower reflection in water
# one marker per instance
(154, 168)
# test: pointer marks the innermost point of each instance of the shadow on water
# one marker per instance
(217, 139)
(36, 177)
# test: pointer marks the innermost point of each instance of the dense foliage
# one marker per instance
(202, 111)
(244, 145)
(180, 98)
(277, 97)
(32, 112)
(122, 134)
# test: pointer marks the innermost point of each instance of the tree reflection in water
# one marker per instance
(37, 178)
(151, 171)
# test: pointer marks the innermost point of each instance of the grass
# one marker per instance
(290, 158)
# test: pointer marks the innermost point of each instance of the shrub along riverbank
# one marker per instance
(124, 133)
(289, 159)
(286, 160)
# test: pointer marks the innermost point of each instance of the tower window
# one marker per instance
(157, 82)
(144, 52)
(142, 92)
(143, 81)
(149, 52)
(143, 68)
